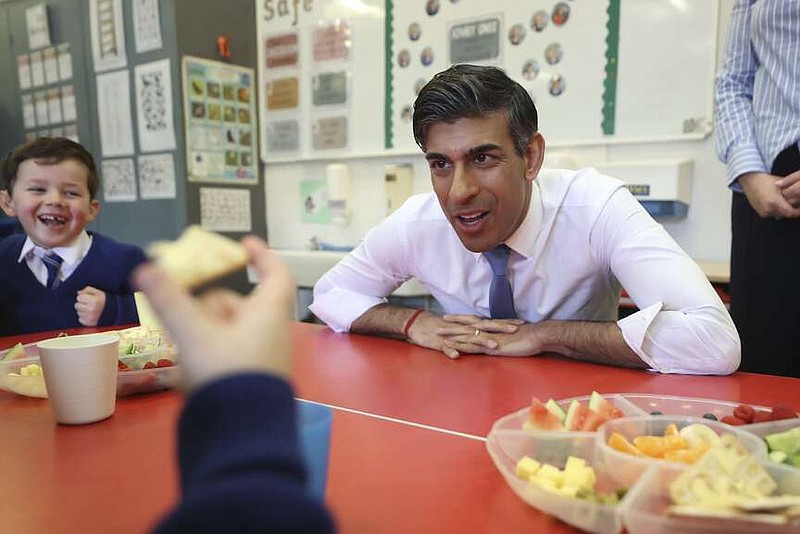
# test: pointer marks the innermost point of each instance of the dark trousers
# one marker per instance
(765, 282)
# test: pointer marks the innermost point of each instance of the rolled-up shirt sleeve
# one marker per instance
(682, 325)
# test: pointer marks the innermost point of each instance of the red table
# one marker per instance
(407, 453)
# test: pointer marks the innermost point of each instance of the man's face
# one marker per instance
(483, 186)
(52, 202)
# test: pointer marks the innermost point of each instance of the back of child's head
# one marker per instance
(49, 151)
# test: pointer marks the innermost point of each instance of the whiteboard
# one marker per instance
(633, 70)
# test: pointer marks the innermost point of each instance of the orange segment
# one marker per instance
(686, 456)
(672, 430)
(618, 442)
(674, 443)
(652, 446)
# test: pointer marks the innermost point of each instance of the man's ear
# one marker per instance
(534, 156)
(5, 203)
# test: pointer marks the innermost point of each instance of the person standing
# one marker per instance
(757, 133)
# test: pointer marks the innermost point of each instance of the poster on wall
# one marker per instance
(108, 34)
(157, 176)
(146, 26)
(154, 106)
(220, 122)
(225, 209)
(118, 179)
(114, 113)
(38, 26)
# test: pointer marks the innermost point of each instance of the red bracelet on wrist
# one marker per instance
(411, 321)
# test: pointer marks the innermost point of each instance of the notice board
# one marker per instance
(341, 78)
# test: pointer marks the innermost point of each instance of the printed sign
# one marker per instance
(475, 41)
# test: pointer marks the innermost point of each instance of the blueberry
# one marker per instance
(656, 413)
(710, 416)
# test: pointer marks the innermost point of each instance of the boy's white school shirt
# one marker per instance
(72, 256)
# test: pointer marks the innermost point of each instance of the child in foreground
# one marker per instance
(238, 450)
(57, 275)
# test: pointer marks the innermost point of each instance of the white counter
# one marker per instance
(308, 266)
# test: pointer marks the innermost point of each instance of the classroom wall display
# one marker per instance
(108, 34)
(220, 115)
(47, 94)
(154, 106)
(225, 209)
(600, 72)
(322, 75)
(597, 71)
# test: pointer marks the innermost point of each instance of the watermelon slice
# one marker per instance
(556, 410)
(604, 407)
(576, 414)
(540, 418)
(592, 421)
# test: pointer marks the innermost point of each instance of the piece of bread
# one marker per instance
(198, 256)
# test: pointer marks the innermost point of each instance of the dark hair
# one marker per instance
(475, 91)
(49, 151)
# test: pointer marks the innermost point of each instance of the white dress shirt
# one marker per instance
(72, 256)
(583, 239)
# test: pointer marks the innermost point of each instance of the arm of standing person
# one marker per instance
(238, 450)
(735, 130)
(681, 326)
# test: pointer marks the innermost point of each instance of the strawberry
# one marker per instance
(744, 412)
(163, 362)
(149, 365)
(731, 420)
(761, 416)
(782, 412)
(122, 367)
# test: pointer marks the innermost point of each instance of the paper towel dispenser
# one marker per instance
(664, 188)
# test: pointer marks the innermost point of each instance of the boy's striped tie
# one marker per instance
(52, 262)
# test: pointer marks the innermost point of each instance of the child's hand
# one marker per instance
(223, 332)
(89, 305)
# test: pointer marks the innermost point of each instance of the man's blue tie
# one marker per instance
(52, 262)
(501, 298)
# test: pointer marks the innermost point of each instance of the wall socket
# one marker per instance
(399, 182)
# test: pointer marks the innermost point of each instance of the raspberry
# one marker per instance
(744, 412)
(731, 420)
(761, 417)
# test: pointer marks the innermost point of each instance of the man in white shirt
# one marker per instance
(572, 240)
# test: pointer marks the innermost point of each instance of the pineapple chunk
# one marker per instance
(550, 472)
(527, 467)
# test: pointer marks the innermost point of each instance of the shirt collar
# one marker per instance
(71, 254)
(523, 239)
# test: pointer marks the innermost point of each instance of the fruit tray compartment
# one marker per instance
(128, 382)
(647, 497)
(506, 447)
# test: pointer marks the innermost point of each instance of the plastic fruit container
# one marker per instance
(128, 382)
(645, 510)
(506, 446)
(515, 420)
(627, 468)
